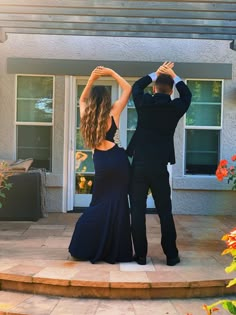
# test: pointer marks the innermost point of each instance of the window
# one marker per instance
(203, 123)
(34, 119)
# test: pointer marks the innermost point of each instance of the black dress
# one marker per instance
(102, 233)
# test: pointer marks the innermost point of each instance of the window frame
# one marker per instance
(191, 127)
(46, 124)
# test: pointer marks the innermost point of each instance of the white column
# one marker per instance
(69, 143)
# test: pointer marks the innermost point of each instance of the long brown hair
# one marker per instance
(93, 125)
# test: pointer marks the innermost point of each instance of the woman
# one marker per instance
(102, 233)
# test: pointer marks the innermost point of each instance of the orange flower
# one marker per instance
(224, 172)
(210, 310)
(219, 176)
(221, 172)
(223, 162)
(233, 158)
(230, 239)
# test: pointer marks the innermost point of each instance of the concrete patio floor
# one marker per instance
(35, 270)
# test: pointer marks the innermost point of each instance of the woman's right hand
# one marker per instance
(105, 71)
(95, 74)
(100, 71)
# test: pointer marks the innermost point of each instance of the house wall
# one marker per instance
(190, 194)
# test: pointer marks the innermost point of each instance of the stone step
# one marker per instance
(120, 281)
(13, 303)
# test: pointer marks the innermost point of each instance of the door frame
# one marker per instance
(69, 143)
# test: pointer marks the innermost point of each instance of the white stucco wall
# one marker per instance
(127, 49)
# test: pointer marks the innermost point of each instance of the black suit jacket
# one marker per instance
(158, 117)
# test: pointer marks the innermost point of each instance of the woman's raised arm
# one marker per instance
(119, 104)
(85, 94)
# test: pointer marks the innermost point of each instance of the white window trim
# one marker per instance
(69, 144)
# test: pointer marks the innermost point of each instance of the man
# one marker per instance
(152, 148)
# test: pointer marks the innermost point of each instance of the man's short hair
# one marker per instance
(164, 83)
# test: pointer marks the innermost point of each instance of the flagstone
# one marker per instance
(125, 279)
(133, 266)
(55, 242)
(154, 307)
(115, 308)
(9, 300)
(68, 306)
(54, 275)
(37, 305)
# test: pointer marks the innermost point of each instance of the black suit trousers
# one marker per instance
(147, 176)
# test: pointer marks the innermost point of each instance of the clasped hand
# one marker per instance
(101, 71)
(166, 68)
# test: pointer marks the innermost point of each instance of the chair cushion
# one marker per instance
(21, 164)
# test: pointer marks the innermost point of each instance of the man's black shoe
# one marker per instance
(140, 260)
(172, 261)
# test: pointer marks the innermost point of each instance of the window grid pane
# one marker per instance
(35, 142)
(34, 99)
(202, 151)
(37, 110)
(205, 108)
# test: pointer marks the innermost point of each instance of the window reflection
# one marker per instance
(84, 184)
(205, 108)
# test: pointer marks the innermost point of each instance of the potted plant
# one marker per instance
(4, 185)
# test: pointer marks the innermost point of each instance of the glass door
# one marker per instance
(83, 160)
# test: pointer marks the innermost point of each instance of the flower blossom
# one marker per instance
(233, 158)
(209, 310)
(223, 162)
(223, 170)
(230, 239)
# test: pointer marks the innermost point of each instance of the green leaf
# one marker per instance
(2, 195)
(229, 306)
(8, 186)
(231, 268)
(0, 204)
(231, 283)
